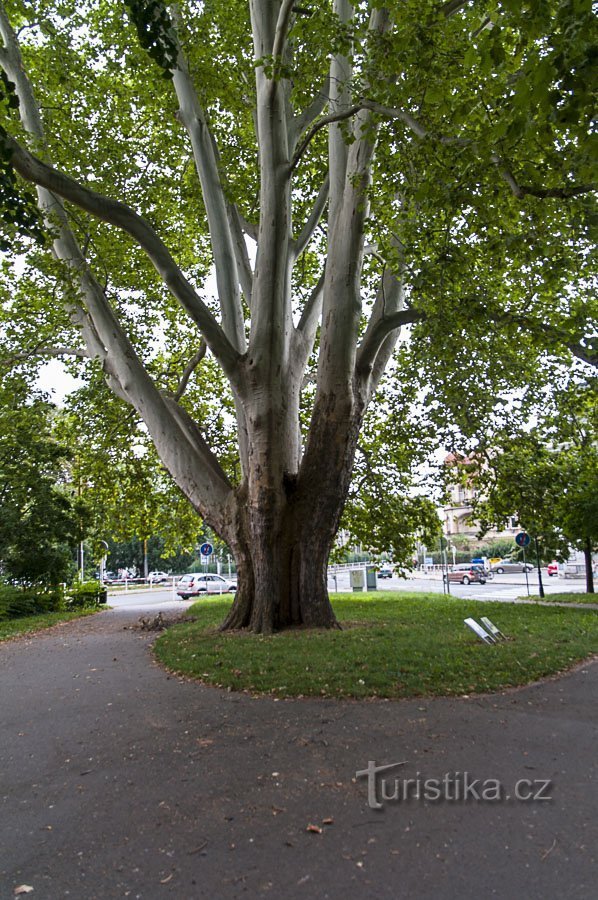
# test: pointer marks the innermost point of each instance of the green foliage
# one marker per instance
(40, 524)
(16, 602)
(155, 32)
(128, 495)
(548, 476)
(85, 595)
(388, 510)
(18, 209)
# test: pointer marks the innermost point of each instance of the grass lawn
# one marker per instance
(392, 645)
(26, 624)
(564, 598)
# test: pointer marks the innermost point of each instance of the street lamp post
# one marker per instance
(103, 560)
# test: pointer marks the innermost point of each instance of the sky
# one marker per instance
(55, 380)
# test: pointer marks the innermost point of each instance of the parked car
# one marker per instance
(509, 565)
(203, 583)
(158, 577)
(466, 573)
(553, 568)
(385, 572)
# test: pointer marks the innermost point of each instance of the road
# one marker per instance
(119, 780)
(501, 587)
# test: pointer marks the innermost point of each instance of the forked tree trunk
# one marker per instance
(282, 580)
(282, 541)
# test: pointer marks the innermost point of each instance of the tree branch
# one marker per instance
(317, 126)
(189, 370)
(452, 7)
(116, 213)
(376, 335)
(520, 191)
(282, 29)
(315, 109)
(341, 74)
(205, 154)
(387, 112)
(41, 350)
(313, 218)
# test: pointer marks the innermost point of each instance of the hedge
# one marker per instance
(16, 602)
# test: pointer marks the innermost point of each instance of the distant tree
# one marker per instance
(129, 496)
(39, 519)
(548, 477)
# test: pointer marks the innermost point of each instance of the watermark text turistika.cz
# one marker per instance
(452, 787)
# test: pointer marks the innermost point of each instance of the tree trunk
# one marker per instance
(283, 534)
(282, 568)
(587, 552)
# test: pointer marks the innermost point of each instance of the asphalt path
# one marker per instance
(120, 780)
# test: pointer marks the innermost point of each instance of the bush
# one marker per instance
(16, 602)
(85, 594)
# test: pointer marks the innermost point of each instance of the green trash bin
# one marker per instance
(370, 578)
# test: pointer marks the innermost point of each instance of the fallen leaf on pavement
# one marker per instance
(315, 829)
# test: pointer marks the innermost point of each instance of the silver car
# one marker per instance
(509, 565)
(196, 583)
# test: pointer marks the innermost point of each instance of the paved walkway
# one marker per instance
(118, 780)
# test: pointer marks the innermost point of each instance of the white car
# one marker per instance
(203, 583)
(158, 576)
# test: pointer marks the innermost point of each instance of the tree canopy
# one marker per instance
(40, 522)
(249, 204)
(547, 476)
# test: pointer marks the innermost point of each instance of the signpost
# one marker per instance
(522, 540)
(206, 551)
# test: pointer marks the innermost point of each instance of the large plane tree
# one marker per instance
(269, 191)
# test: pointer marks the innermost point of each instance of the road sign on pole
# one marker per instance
(206, 549)
(522, 539)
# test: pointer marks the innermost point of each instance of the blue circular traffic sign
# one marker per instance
(522, 539)
(206, 549)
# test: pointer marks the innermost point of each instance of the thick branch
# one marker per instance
(375, 337)
(224, 247)
(341, 73)
(282, 29)
(116, 213)
(41, 350)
